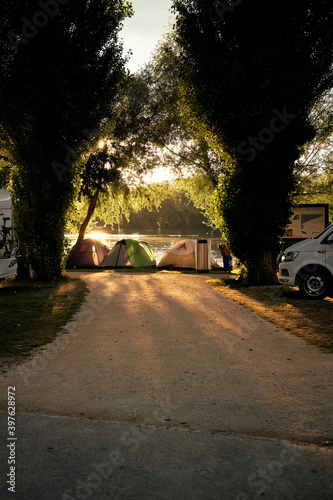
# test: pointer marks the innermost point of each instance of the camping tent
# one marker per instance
(181, 254)
(87, 253)
(130, 253)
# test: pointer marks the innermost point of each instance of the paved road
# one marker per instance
(181, 392)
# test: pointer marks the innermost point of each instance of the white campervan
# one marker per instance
(8, 254)
(309, 265)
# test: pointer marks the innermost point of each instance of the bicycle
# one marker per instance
(9, 239)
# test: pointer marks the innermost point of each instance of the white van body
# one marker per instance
(309, 265)
(8, 266)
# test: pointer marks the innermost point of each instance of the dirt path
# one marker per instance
(170, 350)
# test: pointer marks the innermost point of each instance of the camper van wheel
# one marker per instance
(314, 286)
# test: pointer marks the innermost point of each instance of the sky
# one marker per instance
(142, 31)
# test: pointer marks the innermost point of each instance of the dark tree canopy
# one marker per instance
(261, 56)
(62, 63)
(254, 71)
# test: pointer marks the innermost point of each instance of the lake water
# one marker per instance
(159, 243)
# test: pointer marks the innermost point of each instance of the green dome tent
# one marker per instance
(130, 253)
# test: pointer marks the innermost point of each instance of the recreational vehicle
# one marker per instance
(8, 237)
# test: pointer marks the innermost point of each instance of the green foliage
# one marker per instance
(151, 127)
(57, 89)
(314, 169)
(117, 204)
(174, 215)
(318, 189)
(177, 140)
(5, 172)
(202, 193)
(100, 171)
(124, 159)
(176, 204)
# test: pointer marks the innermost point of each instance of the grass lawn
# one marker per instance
(312, 320)
(31, 314)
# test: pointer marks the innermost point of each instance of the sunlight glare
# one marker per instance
(96, 235)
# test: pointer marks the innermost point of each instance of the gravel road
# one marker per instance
(171, 351)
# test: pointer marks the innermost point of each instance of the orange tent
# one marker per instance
(87, 253)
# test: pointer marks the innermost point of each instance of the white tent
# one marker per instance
(181, 255)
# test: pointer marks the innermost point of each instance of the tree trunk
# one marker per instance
(268, 271)
(40, 218)
(87, 219)
(262, 270)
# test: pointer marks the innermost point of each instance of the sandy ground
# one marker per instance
(171, 351)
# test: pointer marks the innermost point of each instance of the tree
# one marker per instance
(99, 173)
(314, 168)
(116, 206)
(182, 143)
(6, 169)
(253, 71)
(150, 128)
(151, 207)
(62, 63)
(172, 139)
(120, 160)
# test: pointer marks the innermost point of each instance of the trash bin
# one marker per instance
(203, 263)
